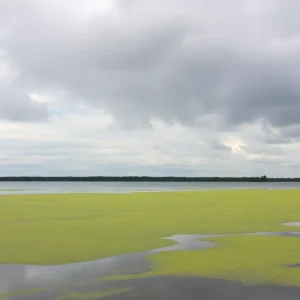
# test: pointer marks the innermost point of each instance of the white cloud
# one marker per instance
(91, 144)
(149, 87)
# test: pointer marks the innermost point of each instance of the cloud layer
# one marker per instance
(152, 87)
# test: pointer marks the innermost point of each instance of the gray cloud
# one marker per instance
(17, 106)
(176, 60)
(15, 102)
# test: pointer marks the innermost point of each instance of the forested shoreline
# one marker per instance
(148, 179)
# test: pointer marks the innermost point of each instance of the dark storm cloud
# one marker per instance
(175, 60)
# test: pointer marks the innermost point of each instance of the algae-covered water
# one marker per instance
(221, 244)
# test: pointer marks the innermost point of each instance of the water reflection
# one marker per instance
(21, 277)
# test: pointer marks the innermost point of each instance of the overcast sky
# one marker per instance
(150, 87)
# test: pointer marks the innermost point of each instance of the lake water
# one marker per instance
(131, 187)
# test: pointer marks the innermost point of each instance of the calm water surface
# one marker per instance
(24, 277)
(130, 187)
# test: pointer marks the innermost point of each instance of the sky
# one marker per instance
(150, 87)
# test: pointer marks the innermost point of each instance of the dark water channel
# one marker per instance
(24, 277)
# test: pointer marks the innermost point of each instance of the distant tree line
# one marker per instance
(148, 179)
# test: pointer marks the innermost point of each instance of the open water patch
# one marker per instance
(167, 288)
(294, 266)
(22, 277)
(294, 224)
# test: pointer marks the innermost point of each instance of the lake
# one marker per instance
(131, 187)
